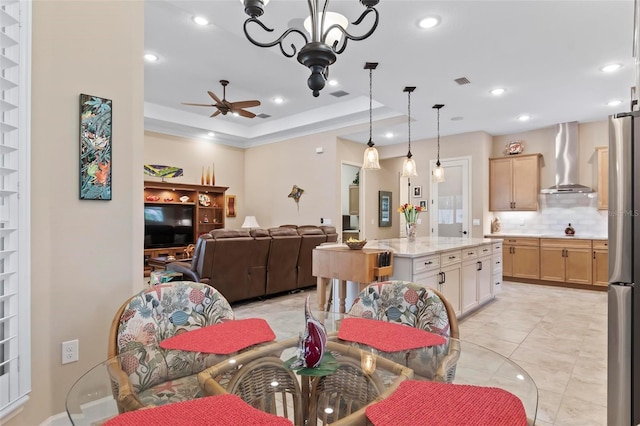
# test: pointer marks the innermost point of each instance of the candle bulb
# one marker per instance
(368, 362)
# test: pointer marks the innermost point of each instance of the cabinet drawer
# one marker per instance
(565, 243)
(496, 261)
(485, 250)
(497, 247)
(600, 244)
(449, 257)
(470, 253)
(426, 263)
(522, 241)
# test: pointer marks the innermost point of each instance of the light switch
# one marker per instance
(476, 222)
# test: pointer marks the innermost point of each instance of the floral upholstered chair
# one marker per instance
(417, 306)
(143, 374)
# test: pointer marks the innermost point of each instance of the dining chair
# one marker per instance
(418, 306)
(142, 373)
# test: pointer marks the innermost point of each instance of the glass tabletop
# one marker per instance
(91, 399)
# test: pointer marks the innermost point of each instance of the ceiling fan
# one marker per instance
(224, 106)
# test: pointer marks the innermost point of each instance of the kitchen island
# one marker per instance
(465, 270)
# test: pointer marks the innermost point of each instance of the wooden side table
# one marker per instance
(160, 263)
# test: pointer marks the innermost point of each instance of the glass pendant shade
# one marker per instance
(438, 173)
(409, 167)
(371, 160)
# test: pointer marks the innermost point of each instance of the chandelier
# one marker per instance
(438, 172)
(371, 161)
(409, 165)
(321, 51)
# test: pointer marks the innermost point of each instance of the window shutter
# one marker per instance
(15, 33)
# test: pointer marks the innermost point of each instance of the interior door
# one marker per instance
(451, 201)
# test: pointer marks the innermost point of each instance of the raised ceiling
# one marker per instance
(546, 54)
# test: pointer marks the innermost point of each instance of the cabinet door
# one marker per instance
(450, 289)
(485, 279)
(601, 267)
(428, 279)
(552, 264)
(507, 260)
(526, 262)
(603, 177)
(354, 199)
(500, 184)
(578, 267)
(469, 293)
(526, 183)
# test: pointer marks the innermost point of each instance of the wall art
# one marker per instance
(384, 209)
(95, 148)
(231, 205)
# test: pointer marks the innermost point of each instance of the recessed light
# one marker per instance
(388, 135)
(150, 57)
(200, 20)
(614, 103)
(611, 68)
(333, 82)
(428, 22)
(278, 100)
(497, 92)
(524, 117)
(211, 134)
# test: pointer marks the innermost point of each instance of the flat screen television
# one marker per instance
(168, 225)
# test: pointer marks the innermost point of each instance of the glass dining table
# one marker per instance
(310, 398)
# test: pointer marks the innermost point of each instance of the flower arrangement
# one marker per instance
(410, 212)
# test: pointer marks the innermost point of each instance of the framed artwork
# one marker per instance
(423, 205)
(384, 208)
(95, 148)
(417, 191)
(231, 205)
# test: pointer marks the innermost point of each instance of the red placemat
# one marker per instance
(445, 404)
(223, 338)
(386, 336)
(219, 410)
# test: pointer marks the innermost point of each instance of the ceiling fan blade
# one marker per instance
(206, 105)
(244, 113)
(215, 98)
(215, 113)
(244, 104)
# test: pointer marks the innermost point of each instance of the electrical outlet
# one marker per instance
(70, 351)
(321, 220)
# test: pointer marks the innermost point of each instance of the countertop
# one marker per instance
(577, 236)
(421, 246)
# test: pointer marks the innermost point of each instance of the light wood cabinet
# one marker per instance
(354, 199)
(565, 261)
(521, 258)
(514, 183)
(602, 153)
(600, 262)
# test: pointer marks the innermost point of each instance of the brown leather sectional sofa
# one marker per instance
(243, 264)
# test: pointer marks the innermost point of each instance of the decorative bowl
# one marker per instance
(356, 245)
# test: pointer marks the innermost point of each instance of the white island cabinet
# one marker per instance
(460, 268)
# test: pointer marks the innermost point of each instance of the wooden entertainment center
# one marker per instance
(209, 210)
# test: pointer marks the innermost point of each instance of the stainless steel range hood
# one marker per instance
(567, 157)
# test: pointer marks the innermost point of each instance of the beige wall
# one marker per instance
(85, 255)
(192, 155)
(591, 135)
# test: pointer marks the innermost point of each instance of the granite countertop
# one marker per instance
(577, 236)
(421, 246)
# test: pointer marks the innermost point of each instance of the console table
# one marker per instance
(341, 263)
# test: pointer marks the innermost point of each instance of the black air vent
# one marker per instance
(462, 80)
(263, 115)
(339, 93)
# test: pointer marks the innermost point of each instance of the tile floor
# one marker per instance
(558, 335)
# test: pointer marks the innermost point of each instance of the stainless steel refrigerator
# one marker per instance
(623, 370)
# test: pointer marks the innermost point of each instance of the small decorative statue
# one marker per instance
(313, 341)
(569, 231)
(496, 225)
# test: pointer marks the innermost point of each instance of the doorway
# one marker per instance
(451, 199)
(350, 184)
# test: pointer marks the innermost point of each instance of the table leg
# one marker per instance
(342, 295)
(321, 291)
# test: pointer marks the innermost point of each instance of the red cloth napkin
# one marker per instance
(445, 404)
(223, 338)
(218, 410)
(386, 336)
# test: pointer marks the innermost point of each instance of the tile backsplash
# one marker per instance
(555, 212)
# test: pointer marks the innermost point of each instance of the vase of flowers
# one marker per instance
(411, 214)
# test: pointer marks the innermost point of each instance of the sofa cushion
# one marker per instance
(229, 233)
(283, 232)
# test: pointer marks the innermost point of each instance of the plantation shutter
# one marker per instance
(15, 377)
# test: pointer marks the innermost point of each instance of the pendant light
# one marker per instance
(438, 172)
(370, 161)
(409, 165)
